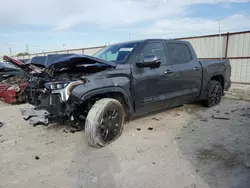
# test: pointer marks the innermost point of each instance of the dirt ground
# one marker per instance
(188, 147)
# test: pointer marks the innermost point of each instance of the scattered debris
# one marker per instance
(222, 118)
(150, 129)
(226, 113)
(204, 120)
(75, 130)
(191, 186)
(142, 149)
(177, 138)
(94, 180)
(1, 141)
(235, 110)
(217, 111)
(1, 124)
(247, 164)
(176, 114)
(138, 129)
(52, 142)
(245, 115)
(65, 131)
(37, 158)
(193, 130)
(153, 162)
(156, 119)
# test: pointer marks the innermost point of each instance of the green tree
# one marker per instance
(22, 54)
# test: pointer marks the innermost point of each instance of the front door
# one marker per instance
(151, 86)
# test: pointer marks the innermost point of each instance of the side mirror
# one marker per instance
(151, 61)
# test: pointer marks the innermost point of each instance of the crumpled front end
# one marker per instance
(49, 100)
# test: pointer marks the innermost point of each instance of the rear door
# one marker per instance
(187, 71)
(152, 86)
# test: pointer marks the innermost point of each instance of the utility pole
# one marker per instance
(10, 50)
(129, 36)
(27, 48)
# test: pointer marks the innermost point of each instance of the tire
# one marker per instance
(105, 122)
(214, 93)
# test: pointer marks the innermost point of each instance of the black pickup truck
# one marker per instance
(102, 92)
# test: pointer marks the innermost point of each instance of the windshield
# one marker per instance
(116, 53)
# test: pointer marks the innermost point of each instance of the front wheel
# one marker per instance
(105, 122)
(214, 93)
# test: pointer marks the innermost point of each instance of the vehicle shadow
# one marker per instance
(219, 149)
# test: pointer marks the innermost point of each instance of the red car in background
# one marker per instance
(13, 81)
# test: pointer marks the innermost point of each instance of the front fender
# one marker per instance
(84, 92)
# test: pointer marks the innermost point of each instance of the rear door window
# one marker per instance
(179, 53)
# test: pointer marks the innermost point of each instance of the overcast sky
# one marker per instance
(48, 24)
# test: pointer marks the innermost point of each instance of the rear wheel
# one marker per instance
(105, 122)
(214, 93)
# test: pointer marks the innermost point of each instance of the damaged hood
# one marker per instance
(71, 60)
(58, 61)
(25, 67)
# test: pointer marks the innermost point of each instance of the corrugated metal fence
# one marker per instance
(85, 51)
(232, 46)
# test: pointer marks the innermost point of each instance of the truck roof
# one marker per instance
(148, 40)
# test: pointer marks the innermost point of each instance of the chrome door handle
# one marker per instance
(196, 68)
(168, 72)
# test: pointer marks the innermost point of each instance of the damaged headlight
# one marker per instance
(64, 89)
(56, 85)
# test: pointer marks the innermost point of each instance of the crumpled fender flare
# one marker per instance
(127, 97)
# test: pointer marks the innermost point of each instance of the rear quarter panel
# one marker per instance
(213, 68)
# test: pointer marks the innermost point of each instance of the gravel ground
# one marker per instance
(186, 148)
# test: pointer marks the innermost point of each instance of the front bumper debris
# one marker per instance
(36, 117)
